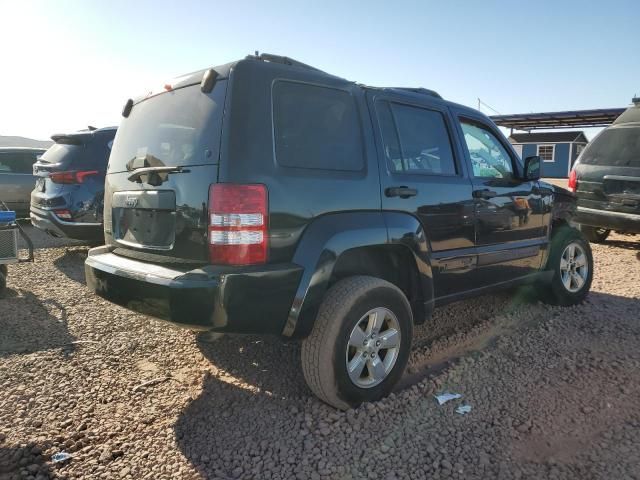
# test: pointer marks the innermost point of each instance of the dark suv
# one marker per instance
(266, 196)
(67, 200)
(606, 179)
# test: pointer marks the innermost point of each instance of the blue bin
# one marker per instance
(7, 216)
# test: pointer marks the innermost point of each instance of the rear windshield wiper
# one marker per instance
(138, 172)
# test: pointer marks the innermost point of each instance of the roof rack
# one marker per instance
(421, 91)
(268, 57)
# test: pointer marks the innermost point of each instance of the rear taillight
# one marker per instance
(71, 177)
(63, 214)
(238, 230)
(573, 181)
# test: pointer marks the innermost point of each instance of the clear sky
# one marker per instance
(68, 64)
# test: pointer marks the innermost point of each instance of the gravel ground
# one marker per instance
(554, 391)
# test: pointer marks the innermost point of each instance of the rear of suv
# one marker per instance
(68, 198)
(266, 196)
(606, 179)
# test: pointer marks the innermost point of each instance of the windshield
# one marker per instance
(615, 147)
(177, 128)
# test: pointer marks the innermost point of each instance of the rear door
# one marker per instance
(422, 173)
(162, 217)
(509, 231)
(609, 171)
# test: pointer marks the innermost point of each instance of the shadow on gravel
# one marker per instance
(72, 263)
(626, 244)
(28, 324)
(18, 463)
(242, 410)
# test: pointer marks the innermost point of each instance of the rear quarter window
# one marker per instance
(316, 127)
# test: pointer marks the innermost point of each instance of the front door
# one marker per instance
(422, 172)
(509, 232)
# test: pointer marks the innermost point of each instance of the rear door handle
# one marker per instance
(485, 194)
(402, 192)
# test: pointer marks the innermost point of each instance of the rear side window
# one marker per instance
(316, 127)
(615, 147)
(416, 140)
(18, 162)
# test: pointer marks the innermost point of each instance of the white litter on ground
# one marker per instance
(462, 409)
(445, 397)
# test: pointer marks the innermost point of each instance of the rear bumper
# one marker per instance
(624, 222)
(235, 300)
(46, 220)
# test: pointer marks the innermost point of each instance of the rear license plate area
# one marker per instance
(145, 228)
(144, 219)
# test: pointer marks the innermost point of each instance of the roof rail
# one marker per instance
(268, 57)
(421, 91)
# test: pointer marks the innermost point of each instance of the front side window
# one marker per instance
(416, 140)
(316, 127)
(545, 152)
(489, 159)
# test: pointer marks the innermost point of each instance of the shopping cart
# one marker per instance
(9, 231)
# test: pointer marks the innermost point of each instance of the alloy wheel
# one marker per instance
(373, 347)
(574, 267)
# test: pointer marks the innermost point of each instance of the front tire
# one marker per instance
(360, 343)
(595, 234)
(571, 262)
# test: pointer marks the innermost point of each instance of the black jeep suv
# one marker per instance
(606, 179)
(266, 196)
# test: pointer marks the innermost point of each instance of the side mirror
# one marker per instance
(532, 168)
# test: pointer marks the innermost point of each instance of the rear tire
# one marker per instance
(571, 262)
(595, 234)
(360, 342)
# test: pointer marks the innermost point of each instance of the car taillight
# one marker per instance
(573, 181)
(62, 213)
(71, 177)
(238, 230)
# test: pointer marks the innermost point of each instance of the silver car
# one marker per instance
(16, 177)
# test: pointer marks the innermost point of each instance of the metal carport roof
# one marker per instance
(549, 120)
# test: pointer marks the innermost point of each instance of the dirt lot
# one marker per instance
(554, 391)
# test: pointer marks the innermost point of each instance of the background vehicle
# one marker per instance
(67, 200)
(266, 196)
(606, 179)
(16, 177)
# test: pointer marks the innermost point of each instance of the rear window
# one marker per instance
(176, 128)
(615, 147)
(63, 155)
(316, 127)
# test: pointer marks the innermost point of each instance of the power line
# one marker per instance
(480, 102)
